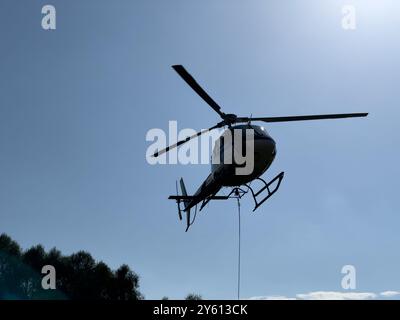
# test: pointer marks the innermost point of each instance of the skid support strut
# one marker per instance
(266, 186)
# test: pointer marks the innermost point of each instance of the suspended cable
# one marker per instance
(238, 275)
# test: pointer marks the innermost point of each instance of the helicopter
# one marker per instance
(224, 173)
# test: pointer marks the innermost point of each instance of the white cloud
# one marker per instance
(271, 298)
(332, 295)
(389, 294)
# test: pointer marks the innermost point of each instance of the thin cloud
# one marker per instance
(332, 295)
(390, 294)
(271, 298)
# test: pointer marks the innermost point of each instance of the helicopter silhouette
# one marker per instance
(224, 173)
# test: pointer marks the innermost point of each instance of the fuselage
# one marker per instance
(227, 172)
(257, 158)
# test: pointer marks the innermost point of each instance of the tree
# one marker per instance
(78, 276)
(10, 255)
(193, 296)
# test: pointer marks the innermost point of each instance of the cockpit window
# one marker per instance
(260, 131)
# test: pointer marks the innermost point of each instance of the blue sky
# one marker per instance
(76, 103)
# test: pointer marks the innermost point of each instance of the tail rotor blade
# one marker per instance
(179, 207)
(187, 220)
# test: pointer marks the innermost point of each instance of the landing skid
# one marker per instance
(239, 192)
(259, 196)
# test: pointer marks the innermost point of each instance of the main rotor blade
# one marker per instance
(302, 118)
(199, 90)
(179, 143)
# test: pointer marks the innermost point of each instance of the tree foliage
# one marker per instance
(78, 276)
(193, 296)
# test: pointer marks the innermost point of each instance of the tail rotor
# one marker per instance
(185, 203)
(179, 207)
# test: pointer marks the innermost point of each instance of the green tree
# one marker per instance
(193, 296)
(78, 276)
(10, 255)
